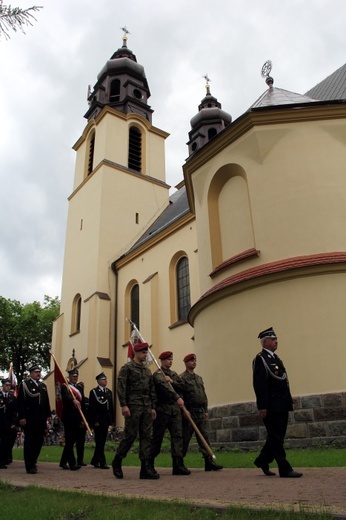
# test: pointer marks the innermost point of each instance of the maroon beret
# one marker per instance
(138, 347)
(165, 355)
(188, 357)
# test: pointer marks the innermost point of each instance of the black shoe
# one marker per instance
(96, 466)
(81, 464)
(3, 466)
(63, 466)
(75, 468)
(32, 471)
(264, 468)
(103, 466)
(147, 472)
(292, 474)
(116, 465)
(210, 464)
(179, 467)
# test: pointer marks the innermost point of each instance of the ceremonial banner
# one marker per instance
(59, 380)
(12, 377)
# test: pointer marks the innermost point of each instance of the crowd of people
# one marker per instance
(151, 404)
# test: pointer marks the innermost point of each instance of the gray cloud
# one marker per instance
(44, 79)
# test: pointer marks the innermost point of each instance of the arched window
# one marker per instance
(91, 154)
(211, 133)
(76, 314)
(114, 94)
(183, 288)
(135, 149)
(134, 299)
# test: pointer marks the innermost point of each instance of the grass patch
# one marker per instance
(299, 458)
(33, 502)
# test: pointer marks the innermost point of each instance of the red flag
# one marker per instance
(59, 380)
(12, 377)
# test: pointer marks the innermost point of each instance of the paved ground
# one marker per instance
(319, 488)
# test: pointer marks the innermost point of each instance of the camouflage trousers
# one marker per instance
(172, 423)
(138, 424)
(188, 431)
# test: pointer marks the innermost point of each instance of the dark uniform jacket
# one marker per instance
(136, 386)
(271, 384)
(167, 394)
(8, 411)
(33, 402)
(194, 395)
(71, 414)
(101, 407)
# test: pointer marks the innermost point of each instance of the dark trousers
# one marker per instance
(276, 426)
(5, 445)
(172, 423)
(100, 433)
(80, 443)
(74, 435)
(139, 423)
(33, 441)
(188, 431)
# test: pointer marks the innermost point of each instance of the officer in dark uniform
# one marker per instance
(168, 385)
(196, 402)
(137, 399)
(73, 401)
(101, 416)
(33, 413)
(8, 421)
(274, 401)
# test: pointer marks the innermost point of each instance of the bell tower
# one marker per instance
(119, 188)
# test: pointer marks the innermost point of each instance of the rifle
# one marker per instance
(185, 410)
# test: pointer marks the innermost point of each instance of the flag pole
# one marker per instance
(185, 410)
(72, 394)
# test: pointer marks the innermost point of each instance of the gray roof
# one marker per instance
(178, 206)
(278, 96)
(331, 88)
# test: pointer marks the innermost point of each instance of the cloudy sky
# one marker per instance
(44, 77)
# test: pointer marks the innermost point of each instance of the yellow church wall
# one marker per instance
(111, 130)
(308, 316)
(152, 271)
(290, 181)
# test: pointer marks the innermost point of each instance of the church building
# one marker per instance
(254, 236)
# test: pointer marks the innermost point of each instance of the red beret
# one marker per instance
(138, 347)
(165, 355)
(188, 357)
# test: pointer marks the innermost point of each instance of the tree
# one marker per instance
(15, 18)
(26, 333)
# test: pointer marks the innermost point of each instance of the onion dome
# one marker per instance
(208, 122)
(121, 84)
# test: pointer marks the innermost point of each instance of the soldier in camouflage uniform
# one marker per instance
(137, 399)
(196, 402)
(169, 404)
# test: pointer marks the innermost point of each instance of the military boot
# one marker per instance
(147, 472)
(210, 464)
(116, 465)
(152, 466)
(179, 467)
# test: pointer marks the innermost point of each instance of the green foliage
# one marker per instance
(25, 333)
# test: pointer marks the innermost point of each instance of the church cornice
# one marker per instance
(281, 270)
(107, 110)
(118, 167)
(317, 111)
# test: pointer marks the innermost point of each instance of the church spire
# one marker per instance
(121, 84)
(209, 120)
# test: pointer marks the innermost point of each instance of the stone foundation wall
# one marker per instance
(316, 418)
